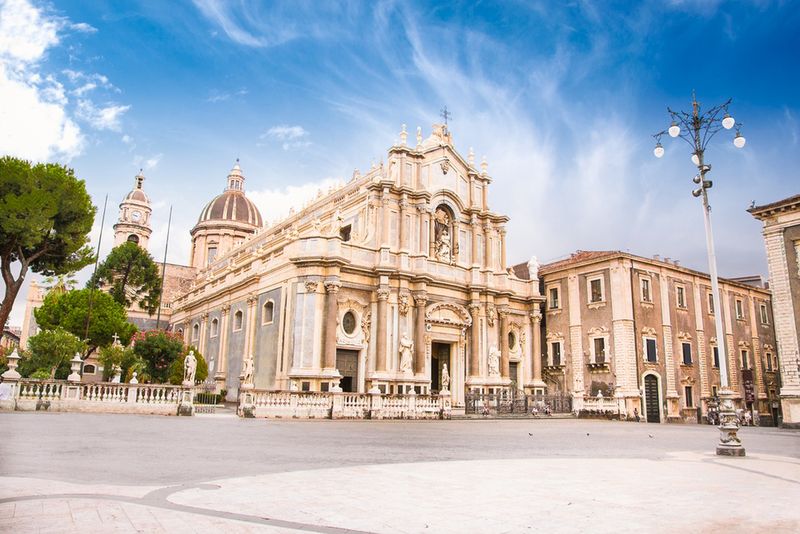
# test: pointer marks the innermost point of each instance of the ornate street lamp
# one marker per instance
(698, 128)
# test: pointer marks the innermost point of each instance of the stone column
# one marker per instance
(504, 367)
(424, 242)
(330, 322)
(201, 343)
(536, 337)
(502, 249)
(487, 247)
(401, 228)
(419, 333)
(475, 340)
(385, 222)
(476, 261)
(381, 323)
(222, 362)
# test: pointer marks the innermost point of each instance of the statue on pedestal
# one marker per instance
(189, 368)
(248, 368)
(494, 362)
(406, 353)
(533, 268)
(445, 378)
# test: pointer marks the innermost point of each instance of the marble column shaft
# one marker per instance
(474, 341)
(504, 344)
(536, 319)
(380, 324)
(419, 335)
(329, 325)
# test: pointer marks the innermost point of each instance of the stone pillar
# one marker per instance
(699, 313)
(474, 341)
(381, 324)
(487, 247)
(504, 367)
(575, 354)
(476, 261)
(249, 333)
(401, 228)
(419, 333)
(502, 249)
(424, 217)
(536, 337)
(222, 358)
(730, 346)
(330, 321)
(201, 343)
(385, 222)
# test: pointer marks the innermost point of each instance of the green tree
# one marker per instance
(69, 311)
(123, 357)
(176, 369)
(45, 218)
(51, 351)
(159, 349)
(130, 276)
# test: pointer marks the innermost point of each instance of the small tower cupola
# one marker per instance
(235, 178)
(133, 223)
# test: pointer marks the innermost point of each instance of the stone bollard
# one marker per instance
(412, 404)
(186, 406)
(9, 388)
(445, 404)
(247, 405)
(375, 404)
(73, 391)
(337, 410)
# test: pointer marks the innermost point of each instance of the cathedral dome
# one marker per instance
(232, 205)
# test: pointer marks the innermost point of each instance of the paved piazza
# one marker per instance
(99, 473)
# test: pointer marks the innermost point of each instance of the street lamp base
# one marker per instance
(729, 442)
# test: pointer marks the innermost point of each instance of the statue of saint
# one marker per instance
(248, 368)
(406, 353)
(445, 378)
(494, 362)
(533, 268)
(443, 246)
(189, 367)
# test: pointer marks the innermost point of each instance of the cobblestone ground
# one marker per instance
(90, 472)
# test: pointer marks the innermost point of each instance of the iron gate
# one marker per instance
(506, 403)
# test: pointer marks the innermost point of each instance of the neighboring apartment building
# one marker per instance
(782, 239)
(641, 331)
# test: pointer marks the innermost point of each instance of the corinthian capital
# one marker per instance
(383, 293)
(332, 286)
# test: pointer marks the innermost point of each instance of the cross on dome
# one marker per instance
(139, 180)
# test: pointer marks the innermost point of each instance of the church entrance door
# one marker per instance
(440, 355)
(347, 364)
(652, 399)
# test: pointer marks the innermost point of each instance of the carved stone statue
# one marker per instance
(248, 368)
(533, 268)
(406, 351)
(443, 246)
(189, 368)
(494, 361)
(445, 378)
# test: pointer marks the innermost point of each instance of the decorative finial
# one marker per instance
(419, 135)
(471, 157)
(484, 165)
(403, 136)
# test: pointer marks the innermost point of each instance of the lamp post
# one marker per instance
(698, 128)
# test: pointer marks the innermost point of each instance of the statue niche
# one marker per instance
(444, 247)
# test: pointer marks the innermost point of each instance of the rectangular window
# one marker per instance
(554, 298)
(687, 353)
(768, 359)
(745, 363)
(687, 393)
(739, 309)
(764, 314)
(711, 304)
(681, 296)
(555, 352)
(596, 290)
(599, 350)
(645, 287)
(713, 391)
(650, 349)
(716, 357)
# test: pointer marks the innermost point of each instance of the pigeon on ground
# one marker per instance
(587, 433)
(530, 434)
(651, 435)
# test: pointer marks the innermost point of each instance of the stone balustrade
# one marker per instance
(602, 404)
(101, 397)
(313, 405)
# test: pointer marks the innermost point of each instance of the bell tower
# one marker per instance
(133, 223)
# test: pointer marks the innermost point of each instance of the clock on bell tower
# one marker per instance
(133, 223)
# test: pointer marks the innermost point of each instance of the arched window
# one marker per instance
(89, 369)
(133, 238)
(212, 253)
(444, 248)
(238, 320)
(268, 313)
(214, 327)
(195, 332)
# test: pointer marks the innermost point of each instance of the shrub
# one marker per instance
(159, 350)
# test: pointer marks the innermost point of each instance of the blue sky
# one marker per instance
(561, 97)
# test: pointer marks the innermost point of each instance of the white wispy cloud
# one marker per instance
(276, 203)
(221, 96)
(101, 118)
(220, 13)
(147, 162)
(290, 137)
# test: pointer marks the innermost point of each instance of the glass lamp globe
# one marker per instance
(739, 140)
(695, 159)
(674, 130)
(658, 151)
(728, 122)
